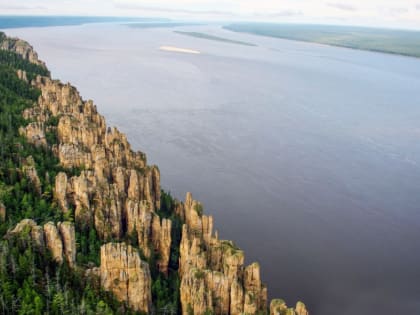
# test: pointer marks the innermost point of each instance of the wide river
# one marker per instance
(308, 156)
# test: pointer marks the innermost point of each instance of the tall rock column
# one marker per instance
(68, 237)
(124, 274)
(53, 241)
(161, 237)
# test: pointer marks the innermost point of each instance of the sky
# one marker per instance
(383, 13)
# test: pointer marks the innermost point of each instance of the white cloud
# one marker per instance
(284, 13)
(156, 7)
(19, 7)
(342, 6)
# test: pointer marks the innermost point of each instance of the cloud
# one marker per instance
(395, 11)
(418, 6)
(134, 5)
(342, 6)
(284, 13)
(20, 7)
(206, 8)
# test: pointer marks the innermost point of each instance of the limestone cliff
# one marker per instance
(68, 238)
(213, 275)
(116, 189)
(22, 48)
(124, 274)
(32, 174)
(59, 239)
(113, 190)
(279, 307)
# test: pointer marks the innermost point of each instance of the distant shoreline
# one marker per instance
(11, 21)
(394, 42)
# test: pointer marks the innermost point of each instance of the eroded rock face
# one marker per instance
(60, 190)
(162, 242)
(35, 133)
(29, 226)
(116, 190)
(213, 275)
(22, 48)
(114, 179)
(279, 307)
(301, 309)
(236, 298)
(37, 234)
(196, 298)
(124, 274)
(32, 174)
(25, 224)
(60, 239)
(68, 237)
(22, 75)
(53, 241)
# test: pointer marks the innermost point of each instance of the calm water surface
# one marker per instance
(308, 156)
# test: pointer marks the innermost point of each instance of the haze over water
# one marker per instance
(308, 156)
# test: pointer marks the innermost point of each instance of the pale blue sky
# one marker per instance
(388, 13)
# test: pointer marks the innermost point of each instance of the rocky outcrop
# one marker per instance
(68, 238)
(35, 133)
(22, 48)
(301, 309)
(53, 241)
(30, 227)
(196, 298)
(213, 275)
(116, 190)
(32, 174)
(162, 242)
(114, 180)
(279, 307)
(22, 75)
(59, 239)
(60, 190)
(124, 274)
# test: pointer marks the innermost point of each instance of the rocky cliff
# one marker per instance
(124, 274)
(59, 238)
(213, 275)
(20, 47)
(113, 190)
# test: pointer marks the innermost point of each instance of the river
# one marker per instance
(308, 156)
